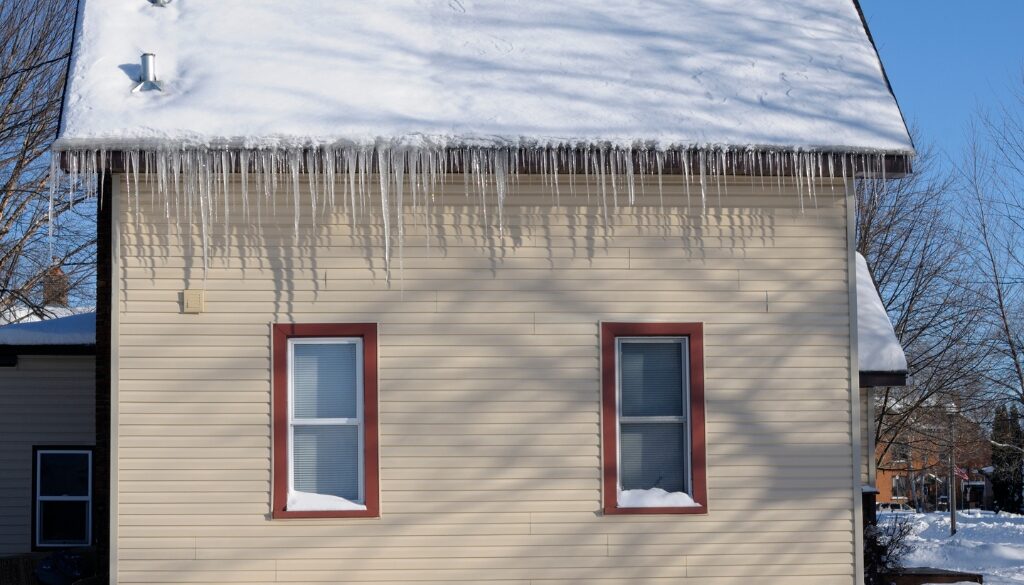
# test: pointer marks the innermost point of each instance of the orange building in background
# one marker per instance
(917, 473)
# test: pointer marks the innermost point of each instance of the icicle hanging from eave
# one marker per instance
(194, 178)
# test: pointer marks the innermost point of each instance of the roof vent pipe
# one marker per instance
(160, 3)
(148, 78)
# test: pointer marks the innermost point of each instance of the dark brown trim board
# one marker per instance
(609, 439)
(371, 468)
(882, 379)
(891, 165)
(104, 295)
(57, 350)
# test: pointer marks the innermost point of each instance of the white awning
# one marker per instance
(878, 349)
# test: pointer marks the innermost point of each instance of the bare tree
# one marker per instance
(914, 244)
(35, 41)
(992, 185)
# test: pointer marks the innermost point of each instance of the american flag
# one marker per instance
(961, 473)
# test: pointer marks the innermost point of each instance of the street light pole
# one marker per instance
(952, 491)
(952, 470)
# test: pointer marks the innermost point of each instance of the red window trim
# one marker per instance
(281, 334)
(609, 427)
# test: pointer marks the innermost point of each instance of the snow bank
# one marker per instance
(985, 543)
(787, 74)
(655, 498)
(878, 349)
(72, 330)
(310, 502)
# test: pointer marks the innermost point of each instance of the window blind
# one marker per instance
(652, 427)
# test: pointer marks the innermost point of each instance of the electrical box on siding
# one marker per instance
(193, 301)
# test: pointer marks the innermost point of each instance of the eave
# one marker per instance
(882, 379)
(848, 164)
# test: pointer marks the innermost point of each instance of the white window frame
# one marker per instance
(357, 422)
(684, 420)
(39, 498)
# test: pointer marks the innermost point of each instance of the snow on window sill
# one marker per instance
(310, 502)
(655, 498)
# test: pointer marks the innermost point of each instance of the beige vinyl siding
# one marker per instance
(45, 400)
(489, 390)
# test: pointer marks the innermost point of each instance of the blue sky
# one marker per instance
(948, 58)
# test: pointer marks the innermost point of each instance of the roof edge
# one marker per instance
(735, 160)
(54, 349)
(881, 65)
(67, 70)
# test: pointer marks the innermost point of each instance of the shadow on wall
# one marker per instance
(454, 272)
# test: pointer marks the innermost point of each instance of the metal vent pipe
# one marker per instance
(147, 78)
(148, 67)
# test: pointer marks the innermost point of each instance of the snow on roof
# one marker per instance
(73, 330)
(878, 349)
(794, 74)
(25, 314)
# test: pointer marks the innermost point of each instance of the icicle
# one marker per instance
(627, 162)
(398, 169)
(659, 160)
(684, 158)
(196, 181)
(383, 170)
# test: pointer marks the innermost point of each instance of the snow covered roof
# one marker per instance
(25, 314)
(72, 330)
(793, 74)
(878, 349)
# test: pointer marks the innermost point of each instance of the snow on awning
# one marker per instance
(880, 355)
(75, 330)
(787, 74)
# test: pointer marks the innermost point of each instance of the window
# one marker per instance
(325, 421)
(652, 418)
(899, 487)
(901, 454)
(62, 506)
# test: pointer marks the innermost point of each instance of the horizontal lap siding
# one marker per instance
(489, 391)
(43, 401)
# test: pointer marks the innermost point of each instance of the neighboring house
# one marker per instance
(47, 433)
(451, 291)
(915, 470)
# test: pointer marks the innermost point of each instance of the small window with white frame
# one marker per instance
(62, 491)
(325, 389)
(325, 433)
(652, 405)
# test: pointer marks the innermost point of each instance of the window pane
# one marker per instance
(326, 460)
(652, 379)
(325, 380)
(652, 455)
(63, 474)
(63, 522)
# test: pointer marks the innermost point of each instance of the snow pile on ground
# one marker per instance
(686, 73)
(72, 330)
(654, 498)
(878, 349)
(985, 543)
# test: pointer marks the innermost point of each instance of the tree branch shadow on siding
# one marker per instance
(782, 495)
